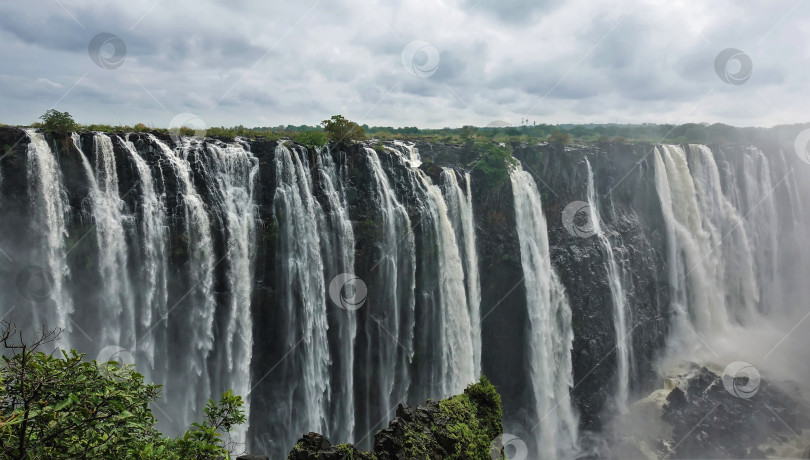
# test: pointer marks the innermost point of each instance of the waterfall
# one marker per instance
(392, 309)
(191, 315)
(457, 359)
(232, 174)
(762, 225)
(729, 238)
(550, 330)
(154, 260)
(106, 208)
(337, 240)
(693, 263)
(302, 291)
(459, 205)
(411, 153)
(623, 340)
(50, 212)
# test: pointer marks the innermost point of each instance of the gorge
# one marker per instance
(327, 286)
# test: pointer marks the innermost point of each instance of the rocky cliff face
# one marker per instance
(633, 219)
(394, 353)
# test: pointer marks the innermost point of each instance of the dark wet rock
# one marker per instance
(676, 398)
(708, 421)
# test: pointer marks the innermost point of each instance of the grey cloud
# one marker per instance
(271, 64)
(513, 11)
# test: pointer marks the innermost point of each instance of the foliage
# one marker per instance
(56, 122)
(342, 131)
(311, 138)
(604, 134)
(64, 407)
(559, 138)
(494, 162)
(467, 133)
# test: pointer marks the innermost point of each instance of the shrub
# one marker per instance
(559, 138)
(342, 131)
(56, 122)
(494, 162)
(65, 407)
(312, 138)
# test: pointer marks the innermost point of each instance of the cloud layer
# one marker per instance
(265, 64)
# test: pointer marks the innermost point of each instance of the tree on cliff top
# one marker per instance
(56, 122)
(342, 131)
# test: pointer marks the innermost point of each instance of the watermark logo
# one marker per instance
(120, 355)
(800, 145)
(35, 283)
(420, 59)
(508, 446)
(741, 379)
(576, 218)
(107, 50)
(348, 291)
(182, 122)
(733, 66)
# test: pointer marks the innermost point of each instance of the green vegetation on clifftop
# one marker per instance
(462, 427)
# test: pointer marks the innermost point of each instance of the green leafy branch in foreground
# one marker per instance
(64, 407)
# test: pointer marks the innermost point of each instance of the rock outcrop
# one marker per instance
(460, 427)
(709, 421)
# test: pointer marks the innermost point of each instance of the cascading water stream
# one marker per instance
(108, 221)
(762, 225)
(693, 263)
(458, 358)
(459, 205)
(302, 295)
(624, 339)
(191, 311)
(550, 329)
(232, 171)
(47, 194)
(729, 239)
(393, 309)
(337, 239)
(154, 260)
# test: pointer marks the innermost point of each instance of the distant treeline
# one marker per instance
(703, 133)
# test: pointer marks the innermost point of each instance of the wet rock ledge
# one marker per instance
(460, 427)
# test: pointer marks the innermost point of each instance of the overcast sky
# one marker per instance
(426, 63)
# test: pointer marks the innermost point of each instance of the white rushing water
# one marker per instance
(154, 262)
(106, 209)
(762, 225)
(729, 238)
(411, 153)
(722, 245)
(459, 205)
(550, 330)
(456, 341)
(395, 277)
(192, 314)
(624, 340)
(337, 240)
(233, 171)
(49, 200)
(303, 296)
(693, 264)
